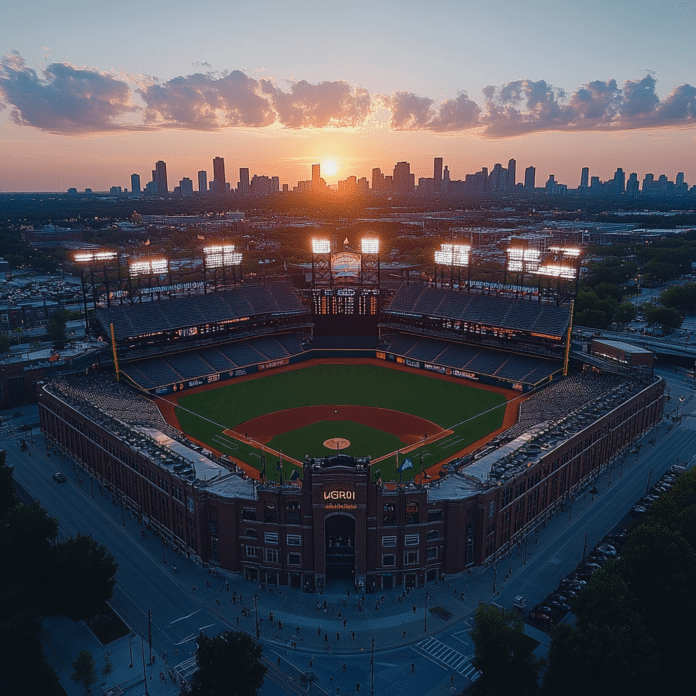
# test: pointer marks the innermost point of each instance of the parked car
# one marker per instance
(59, 477)
(605, 550)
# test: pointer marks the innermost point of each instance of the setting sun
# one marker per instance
(329, 167)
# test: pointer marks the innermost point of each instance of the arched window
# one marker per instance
(252, 533)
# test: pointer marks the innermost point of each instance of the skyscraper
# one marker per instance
(619, 182)
(135, 184)
(529, 179)
(403, 181)
(186, 187)
(219, 175)
(377, 179)
(161, 177)
(316, 176)
(585, 178)
(243, 187)
(511, 175)
(202, 181)
(437, 175)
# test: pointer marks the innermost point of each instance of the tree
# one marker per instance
(503, 654)
(84, 671)
(5, 342)
(664, 316)
(56, 329)
(85, 576)
(594, 318)
(7, 487)
(228, 665)
(625, 312)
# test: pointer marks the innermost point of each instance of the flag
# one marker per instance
(406, 464)
(295, 476)
(146, 242)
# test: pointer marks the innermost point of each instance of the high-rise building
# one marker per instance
(403, 181)
(161, 177)
(377, 179)
(219, 175)
(316, 176)
(243, 187)
(445, 181)
(632, 184)
(511, 175)
(135, 184)
(585, 178)
(186, 187)
(437, 175)
(619, 182)
(202, 181)
(530, 179)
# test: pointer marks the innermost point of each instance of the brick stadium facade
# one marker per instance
(339, 521)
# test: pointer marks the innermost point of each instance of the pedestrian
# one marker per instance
(404, 633)
(338, 636)
(217, 601)
(279, 661)
(297, 630)
(352, 635)
(193, 589)
(413, 667)
(357, 688)
(318, 630)
(326, 637)
(414, 609)
(452, 680)
(311, 662)
(174, 569)
(338, 689)
(344, 666)
(377, 606)
(345, 621)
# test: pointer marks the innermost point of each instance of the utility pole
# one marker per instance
(372, 667)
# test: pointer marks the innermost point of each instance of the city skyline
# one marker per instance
(88, 98)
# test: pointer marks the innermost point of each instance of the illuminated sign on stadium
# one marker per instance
(340, 500)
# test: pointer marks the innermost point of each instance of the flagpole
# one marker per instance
(397, 465)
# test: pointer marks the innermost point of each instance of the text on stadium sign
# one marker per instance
(339, 495)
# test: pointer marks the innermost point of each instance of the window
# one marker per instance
(432, 552)
(389, 541)
(294, 540)
(412, 539)
(389, 514)
(434, 515)
(270, 555)
(433, 534)
(270, 513)
(388, 559)
(410, 557)
(294, 559)
(412, 513)
(292, 512)
(252, 552)
(252, 533)
(248, 513)
(270, 537)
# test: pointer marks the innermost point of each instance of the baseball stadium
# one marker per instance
(352, 419)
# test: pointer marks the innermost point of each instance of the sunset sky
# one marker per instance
(90, 93)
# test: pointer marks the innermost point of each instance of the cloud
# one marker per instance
(411, 112)
(207, 102)
(66, 99)
(306, 105)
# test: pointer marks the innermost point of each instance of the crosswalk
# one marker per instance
(449, 657)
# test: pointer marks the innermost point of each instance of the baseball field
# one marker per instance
(352, 407)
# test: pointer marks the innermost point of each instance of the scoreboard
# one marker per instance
(345, 311)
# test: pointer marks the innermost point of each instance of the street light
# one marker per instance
(256, 611)
(372, 666)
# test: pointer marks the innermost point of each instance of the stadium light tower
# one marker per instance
(563, 265)
(453, 256)
(520, 260)
(218, 258)
(148, 268)
(369, 261)
(98, 262)
(321, 262)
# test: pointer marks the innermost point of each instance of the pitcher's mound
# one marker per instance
(337, 443)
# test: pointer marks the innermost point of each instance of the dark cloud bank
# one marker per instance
(73, 101)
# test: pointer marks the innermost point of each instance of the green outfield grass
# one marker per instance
(471, 411)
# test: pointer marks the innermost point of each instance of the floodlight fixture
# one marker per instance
(148, 267)
(453, 255)
(369, 245)
(321, 246)
(94, 256)
(522, 259)
(573, 252)
(557, 270)
(222, 255)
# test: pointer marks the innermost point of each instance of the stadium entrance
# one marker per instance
(340, 546)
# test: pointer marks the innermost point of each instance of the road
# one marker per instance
(408, 659)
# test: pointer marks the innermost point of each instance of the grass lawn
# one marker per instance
(471, 412)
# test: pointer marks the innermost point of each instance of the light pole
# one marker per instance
(256, 612)
(425, 614)
(372, 668)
